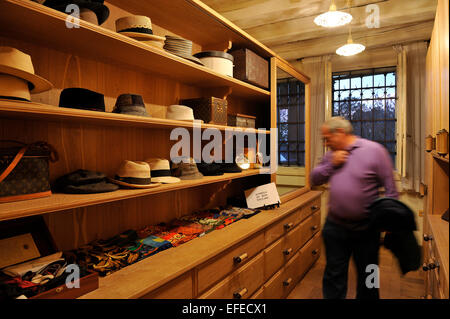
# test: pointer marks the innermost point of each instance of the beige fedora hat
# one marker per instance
(180, 113)
(134, 174)
(160, 170)
(17, 63)
(138, 28)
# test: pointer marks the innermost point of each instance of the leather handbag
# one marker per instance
(24, 170)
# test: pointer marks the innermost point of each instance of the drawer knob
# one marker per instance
(287, 251)
(315, 251)
(314, 227)
(240, 258)
(287, 282)
(432, 266)
(314, 207)
(240, 294)
(425, 267)
(288, 226)
(59, 289)
(427, 237)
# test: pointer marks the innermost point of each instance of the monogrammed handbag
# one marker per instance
(24, 170)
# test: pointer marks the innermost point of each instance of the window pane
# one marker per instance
(283, 132)
(391, 147)
(378, 109)
(390, 130)
(367, 94)
(390, 79)
(379, 80)
(283, 147)
(283, 157)
(378, 131)
(356, 110)
(345, 84)
(390, 92)
(367, 110)
(292, 157)
(282, 88)
(356, 128)
(345, 95)
(356, 83)
(367, 81)
(367, 130)
(390, 108)
(345, 110)
(356, 94)
(336, 83)
(379, 93)
(335, 108)
(283, 115)
(336, 96)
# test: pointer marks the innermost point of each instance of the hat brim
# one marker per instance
(39, 83)
(100, 10)
(133, 185)
(166, 179)
(191, 176)
(142, 36)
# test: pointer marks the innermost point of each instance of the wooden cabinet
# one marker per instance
(435, 229)
(99, 59)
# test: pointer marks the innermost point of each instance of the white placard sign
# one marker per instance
(262, 195)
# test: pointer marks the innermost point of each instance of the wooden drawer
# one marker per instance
(179, 288)
(274, 258)
(228, 262)
(283, 281)
(241, 284)
(310, 208)
(259, 294)
(308, 228)
(309, 254)
(282, 227)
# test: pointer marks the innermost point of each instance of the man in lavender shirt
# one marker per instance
(355, 169)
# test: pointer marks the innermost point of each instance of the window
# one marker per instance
(291, 122)
(367, 99)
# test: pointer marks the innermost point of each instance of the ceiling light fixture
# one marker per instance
(350, 48)
(333, 18)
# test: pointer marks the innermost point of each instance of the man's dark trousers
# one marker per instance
(340, 243)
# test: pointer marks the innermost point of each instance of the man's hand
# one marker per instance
(339, 158)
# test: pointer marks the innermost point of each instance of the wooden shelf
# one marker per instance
(60, 202)
(440, 158)
(106, 45)
(194, 20)
(144, 276)
(31, 110)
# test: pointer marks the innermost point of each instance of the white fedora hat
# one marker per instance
(134, 174)
(17, 63)
(138, 28)
(160, 170)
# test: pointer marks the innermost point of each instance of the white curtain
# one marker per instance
(410, 113)
(318, 69)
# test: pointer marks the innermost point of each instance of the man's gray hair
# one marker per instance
(336, 122)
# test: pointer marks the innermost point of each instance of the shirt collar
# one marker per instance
(356, 144)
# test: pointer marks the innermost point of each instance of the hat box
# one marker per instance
(250, 67)
(31, 235)
(241, 120)
(219, 61)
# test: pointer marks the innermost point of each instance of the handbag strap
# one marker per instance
(13, 164)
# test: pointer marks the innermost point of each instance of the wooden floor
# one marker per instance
(392, 284)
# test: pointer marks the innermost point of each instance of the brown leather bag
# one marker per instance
(24, 170)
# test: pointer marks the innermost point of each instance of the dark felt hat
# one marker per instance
(97, 6)
(210, 169)
(84, 182)
(84, 99)
(131, 104)
(230, 168)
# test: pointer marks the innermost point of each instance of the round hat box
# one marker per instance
(219, 61)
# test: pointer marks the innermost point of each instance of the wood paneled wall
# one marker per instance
(102, 147)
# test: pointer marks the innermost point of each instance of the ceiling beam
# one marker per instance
(375, 38)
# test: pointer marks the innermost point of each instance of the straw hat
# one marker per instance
(18, 64)
(160, 170)
(180, 47)
(134, 174)
(138, 28)
(180, 113)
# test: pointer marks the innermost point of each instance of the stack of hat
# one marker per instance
(180, 47)
(133, 174)
(83, 182)
(160, 171)
(139, 28)
(93, 11)
(84, 99)
(131, 104)
(17, 77)
(185, 168)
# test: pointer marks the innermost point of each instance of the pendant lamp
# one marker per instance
(333, 18)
